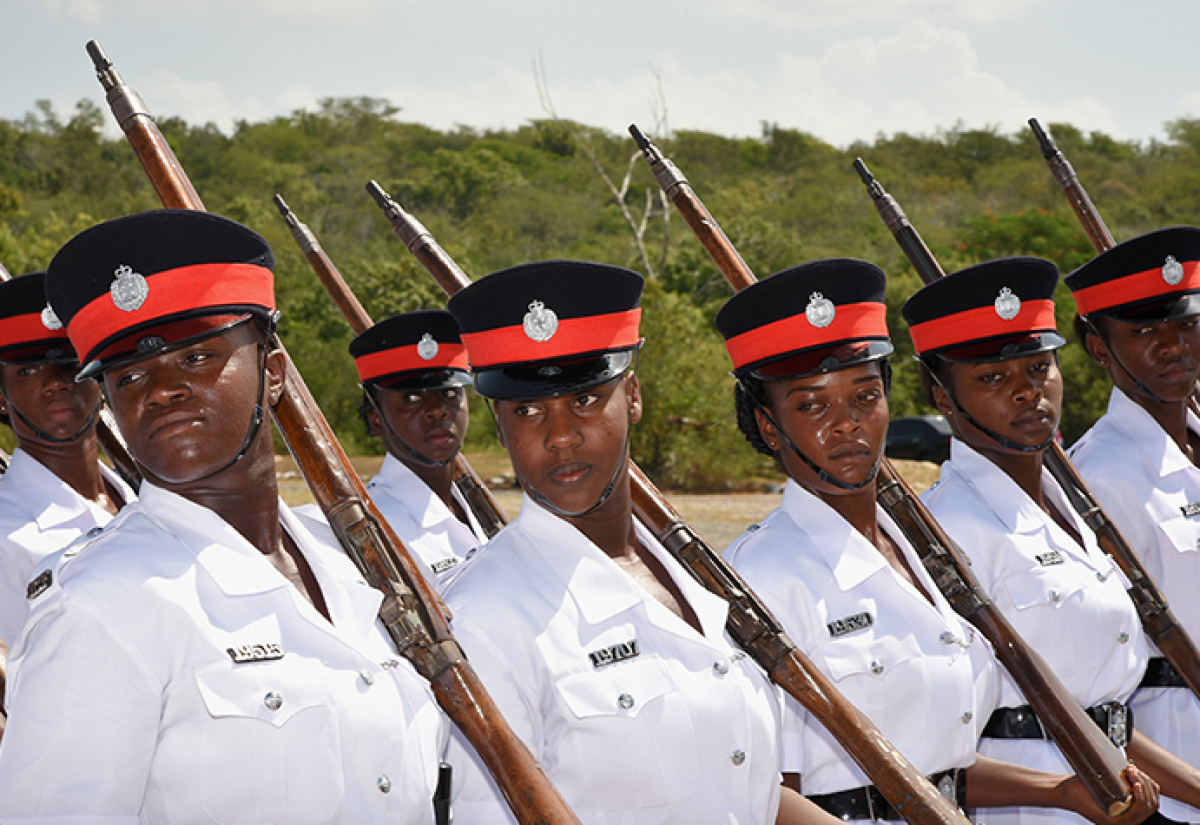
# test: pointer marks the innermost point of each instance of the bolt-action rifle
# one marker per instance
(750, 623)
(410, 611)
(1095, 759)
(486, 509)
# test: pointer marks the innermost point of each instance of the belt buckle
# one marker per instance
(948, 786)
(1118, 724)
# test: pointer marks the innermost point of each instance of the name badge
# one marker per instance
(1049, 558)
(859, 621)
(243, 654)
(442, 565)
(615, 653)
(1192, 508)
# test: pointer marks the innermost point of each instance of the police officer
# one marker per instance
(208, 657)
(413, 370)
(987, 341)
(55, 489)
(607, 658)
(809, 347)
(1139, 318)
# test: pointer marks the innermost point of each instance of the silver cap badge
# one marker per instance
(49, 319)
(1172, 271)
(540, 323)
(1008, 305)
(820, 310)
(427, 348)
(129, 290)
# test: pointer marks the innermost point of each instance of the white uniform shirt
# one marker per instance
(422, 520)
(1144, 482)
(684, 730)
(919, 672)
(39, 514)
(129, 703)
(1069, 603)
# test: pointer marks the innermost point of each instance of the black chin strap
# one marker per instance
(420, 458)
(1003, 441)
(1113, 353)
(45, 436)
(822, 475)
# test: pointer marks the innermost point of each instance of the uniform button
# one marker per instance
(95, 531)
(738, 757)
(625, 701)
(384, 783)
(273, 700)
(948, 638)
(721, 667)
(367, 678)
(1055, 595)
(967, 717)
(876, 667)
(1122, 637)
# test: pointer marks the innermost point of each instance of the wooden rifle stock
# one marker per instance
(1096, 761)
(410, 610)
(486, 509)
(1158, 621)
(750, 624)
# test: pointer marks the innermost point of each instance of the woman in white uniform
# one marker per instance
(55, 489)
(207, 657)
(413, 370)
(809, 348)
(1139, 318)
(607, 658)
(986, 339)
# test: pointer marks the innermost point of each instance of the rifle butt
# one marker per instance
(525, 786)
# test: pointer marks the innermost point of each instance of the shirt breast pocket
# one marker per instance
(861, 664)
(629, 725)
(271, 749)
(1184, 533)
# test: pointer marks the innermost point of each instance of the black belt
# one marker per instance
(1160, 673)
(1114, 718)
(868, 803)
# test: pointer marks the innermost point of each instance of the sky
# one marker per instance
(843, 71)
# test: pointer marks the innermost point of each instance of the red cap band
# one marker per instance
(979, 324)
(574, 336)
(1139, 286)
(405, 359)
(173, 292)
(26, 329)
(851, 321)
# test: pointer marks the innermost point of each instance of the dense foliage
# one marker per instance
(499, 198)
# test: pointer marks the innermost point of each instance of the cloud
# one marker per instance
(814, 14)
(293, 14)
(199, 102)
(83, 11)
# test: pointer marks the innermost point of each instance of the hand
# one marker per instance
(1145, 799)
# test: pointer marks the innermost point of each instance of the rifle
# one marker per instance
(1158, 621)
(1055, 460)
(478, 497)
(410, 612)
(750, 623)
(1095, 759)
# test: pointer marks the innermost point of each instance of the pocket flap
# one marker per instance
(1048, 586)
(622, 689)
(273, 691)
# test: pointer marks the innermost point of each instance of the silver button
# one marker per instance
(367, 678)
(948, 638)
(738, 757)
(876, 667)
(967, 717)
(1122, 637)
(625, 701)
(384, 783)
(273, 700)
(721, 667)
(95, 531)
(1055, 595)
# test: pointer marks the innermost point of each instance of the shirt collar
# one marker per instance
(405, 485)
(1158, 448)
(849, 556)
(1007, 500)
(51, 500)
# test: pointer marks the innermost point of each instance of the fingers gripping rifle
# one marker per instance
(418, 629)
(1158, 621)
(483, 505)
(1096, 761)
(1098, 765)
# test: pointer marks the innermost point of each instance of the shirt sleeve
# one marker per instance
(83, 722)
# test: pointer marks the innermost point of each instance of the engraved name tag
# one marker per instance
(1049, 558)
(442, 565)
(1192, 508)
(267, 652)
(39, 585)
(615, 653)
(840, 627)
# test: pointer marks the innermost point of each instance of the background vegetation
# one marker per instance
(495, 199)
